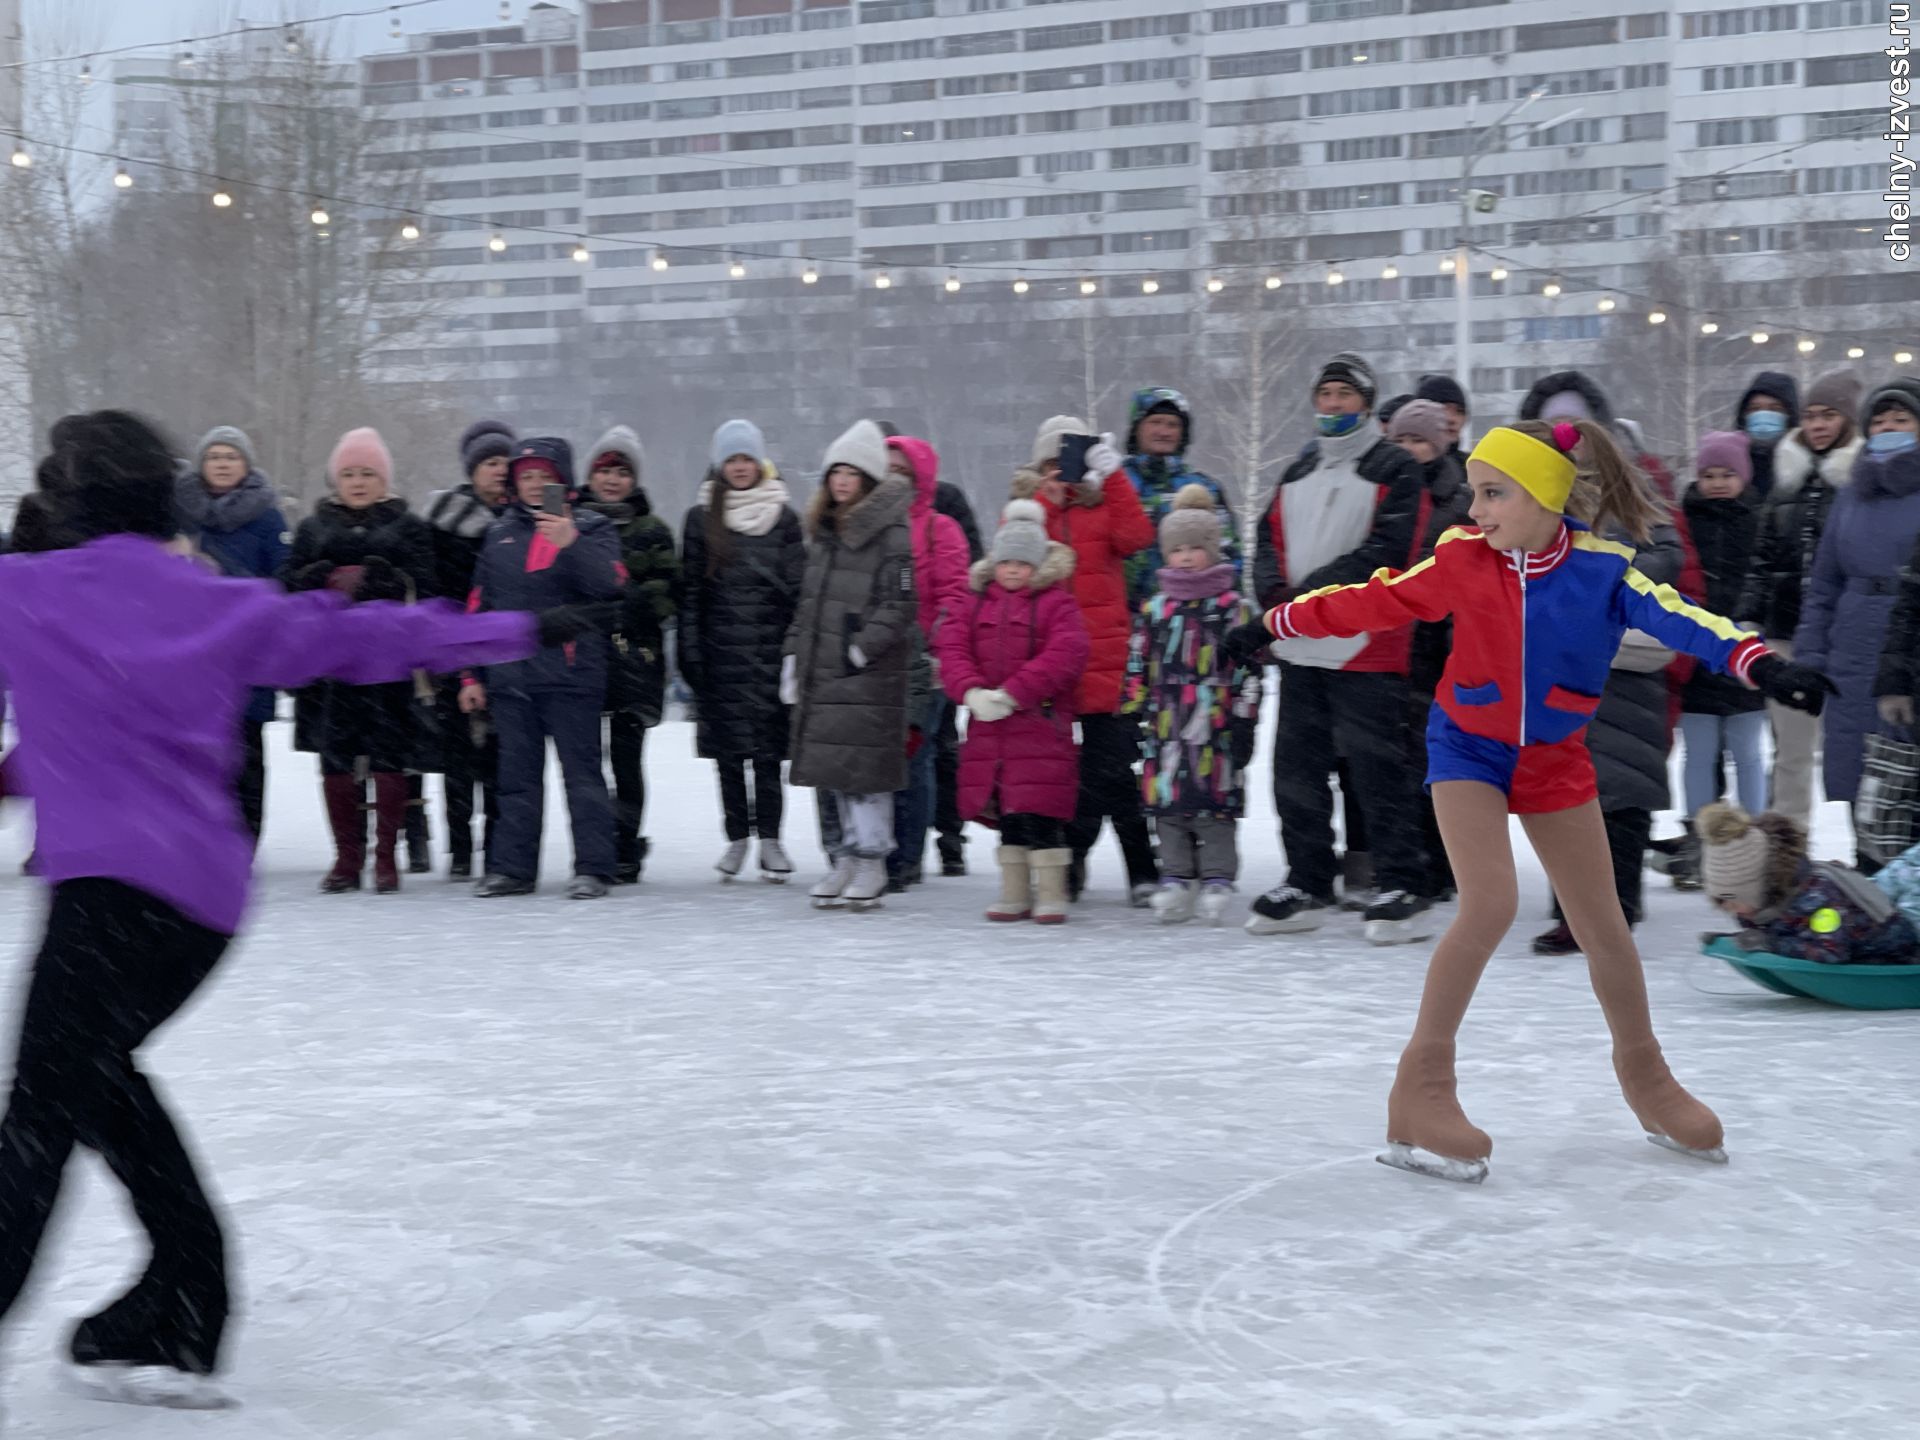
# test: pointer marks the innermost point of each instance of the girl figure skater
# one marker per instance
(1539, 603)
(130, 668)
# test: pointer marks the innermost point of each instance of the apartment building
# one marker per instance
(965, 213)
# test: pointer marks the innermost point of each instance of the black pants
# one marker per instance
(1109, 747)
(1627, 834)
(573, 722)
(115, 965)
(470, 767)
(762, 813)
(1361, 717)
(626, 750)
(946, 780)
(251, 785)
(1036, 832)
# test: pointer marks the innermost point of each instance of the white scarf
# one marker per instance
(753, 511)
(1328, 513)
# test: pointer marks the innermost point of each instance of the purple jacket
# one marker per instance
(129, 669)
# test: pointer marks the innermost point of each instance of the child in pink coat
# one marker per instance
(1014, 656)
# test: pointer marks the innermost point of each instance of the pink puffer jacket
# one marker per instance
(1033, 644)
(940, 554)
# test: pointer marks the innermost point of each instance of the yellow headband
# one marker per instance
(1537, 467)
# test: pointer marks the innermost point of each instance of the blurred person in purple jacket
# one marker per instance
(130, 668)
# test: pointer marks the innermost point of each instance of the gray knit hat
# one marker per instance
(485, 440)
(737, 437)
(1022, 534)
(231, 435)
(1192, 519)
(1840, 390)
(1350, 369)
(1419, 420)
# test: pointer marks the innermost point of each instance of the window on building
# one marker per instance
(919, 174)
(1002, 84)
(1254, 63)
(1073, 78)
(1643, 77)
(1354, 197)
(878, 12)
(962, 211)
(1147, 242)
(1355, 102)
(1456, 92)
(1153, 112)
(1148, 26)
(992, 167)
(1147, 157)
(1648, 126)
(1165, 197)
(892, 50)
(1265, 111)
(1063, 162)
(1073, 202)
(884, 216)
(1751, 77)
(898, 92)
(1845, 124)
(1061, 37)
(1318, 10)
(1353, 52)
(751, 65)
(1754, 20)
(1253, 157)
(1365, 147)
(905, 132)
(825, 59)
(1839, 14)
(1246, 17)
(1135, 72)
(1842, 179)
(1845, 69)
(990, 42)
(979, 127)
(1749, 130)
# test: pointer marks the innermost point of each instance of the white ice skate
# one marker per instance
(1173, 905)
(1440, 1167)
(1214, 900)
(868, 887)
(775, 867)
(828, 891)
(1716, 1156)
(732, 862)
(160, 1386)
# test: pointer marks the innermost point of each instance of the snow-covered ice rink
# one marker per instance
(698, 1163)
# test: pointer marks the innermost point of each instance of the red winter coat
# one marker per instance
(940, 553)
(1032, 644)
(1104, 527)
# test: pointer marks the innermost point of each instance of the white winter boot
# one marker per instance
(1050, 885)
(1173, 903)
(828, 892)
(1016, 884)
(1215, 897)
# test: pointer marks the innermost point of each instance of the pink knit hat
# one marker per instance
(1722, 449)
(361, 447)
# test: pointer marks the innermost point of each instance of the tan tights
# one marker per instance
(1572, 846)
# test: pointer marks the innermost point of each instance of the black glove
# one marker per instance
(1248, 643)
(1799, 687)
(379, 580)
(1240, 744)
(312, 577)
(567, 623)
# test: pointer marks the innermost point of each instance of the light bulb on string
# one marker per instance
(1448, 265)
(1273, 282)
(883, 281)
(86, 72)
(1903, 357)
(320, 216)
(292, 43)
(1606, 304)
(506, 11)
(1215, 285)
(121, 179)
(1656, 317)
(1498, 273)
(1334, 277)
(1392, 272)
(737, 270)
(1854, 352)
(394, 30)
(659, 260)
(582, 255)
(1149, 287)
(810, 276)
(21, 159)
(186, 59)
(953, 284)
(1551, 289)
(1709, 327)
(497, 243)
(221, 200)
(409, 231)
(1020, 286)
(1088, 287)
(1807, 347)
(1760, 337)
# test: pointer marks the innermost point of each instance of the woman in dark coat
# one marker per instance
(1629, 738)
(742, 556)
(1847, 608)
(362, 542)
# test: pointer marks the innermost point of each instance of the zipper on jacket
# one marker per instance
(1523, 647)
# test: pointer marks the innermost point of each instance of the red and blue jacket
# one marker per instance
(1534, 635)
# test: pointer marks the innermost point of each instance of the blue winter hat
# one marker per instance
(551, 450)
(738, 437)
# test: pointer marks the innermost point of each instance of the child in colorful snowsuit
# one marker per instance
(1199, 706)
(1755, 867)
(1539, 604)
(1014, 654)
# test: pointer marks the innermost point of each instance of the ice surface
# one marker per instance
(700, 1163)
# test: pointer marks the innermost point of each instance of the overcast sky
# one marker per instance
(155, 22)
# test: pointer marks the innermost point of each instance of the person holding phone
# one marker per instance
(1072, 474)
(542, 554)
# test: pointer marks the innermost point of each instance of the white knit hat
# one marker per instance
(1046, 445)
(1733, 856)
(863, 447)
(1022, 534)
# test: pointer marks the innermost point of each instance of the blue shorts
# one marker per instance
(1536, 779)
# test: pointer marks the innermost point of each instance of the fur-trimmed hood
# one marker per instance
(1547, 386)
(1793, 462)
(888, 503)
(1027, 482)
(1056, 569)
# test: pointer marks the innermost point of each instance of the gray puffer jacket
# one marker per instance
(850, 725)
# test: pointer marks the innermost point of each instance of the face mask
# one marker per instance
(1332, 425)
(1892, 442)
(1766, 424)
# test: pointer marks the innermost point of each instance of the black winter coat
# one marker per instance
(733, 624)
(1447, 492)
(1804, 484)
(950, 500)
(459, 520)
(638, 678)
(1724, 532)
(1630, 737)
(342, 721)
(586, 571)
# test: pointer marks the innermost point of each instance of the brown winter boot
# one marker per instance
(346, 815)
(1670, 1116)
(1050, 885)
(1016, 885)
(389, 820)
(1423, 1114)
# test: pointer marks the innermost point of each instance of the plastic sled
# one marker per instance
(1856, 987)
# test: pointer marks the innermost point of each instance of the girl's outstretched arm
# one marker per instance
(1665, 614)
(1390, 599)
(298, 639)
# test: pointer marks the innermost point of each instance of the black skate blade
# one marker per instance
(1440, 1167)
(1715, 1156)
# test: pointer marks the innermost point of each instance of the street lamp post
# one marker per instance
(1463, 254)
